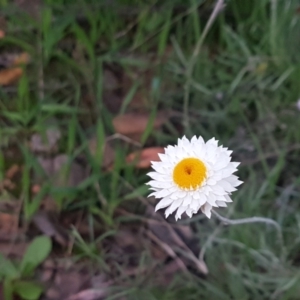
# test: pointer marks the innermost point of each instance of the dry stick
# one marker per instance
(188, 253)
(253, 220)
(124, 138)
(168, 250)
(190, 68)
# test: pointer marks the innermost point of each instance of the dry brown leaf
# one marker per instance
(10, 76)
(8, 224)
(47, 143)
(12, 171)
(35, 189)
(67, 283)
(56, 169)
(14, 72)
(132, 123)
(21, 59)
(48, 224)
(142, 159)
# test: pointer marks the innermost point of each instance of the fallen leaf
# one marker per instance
(67, 283)
(13, 71)
(10, 76)
(142, 159)
(21, 59)
(47, 143)
(131, 123)
(35, 189)
(8, 224)
(48, 224)
(12, 171)
(55, 168)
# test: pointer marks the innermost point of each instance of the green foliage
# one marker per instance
(241, 87)
(16, 278)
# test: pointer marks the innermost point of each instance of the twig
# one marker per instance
(124, 138)
(167, 249)
(253, 220)
(186, 251)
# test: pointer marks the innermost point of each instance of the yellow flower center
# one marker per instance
(189, 173)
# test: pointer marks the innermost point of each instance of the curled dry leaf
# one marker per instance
(12, 171)
(132, 123)
(142, 159)
(10, 76)
(14, 72)
(21, 59)
(8, 224)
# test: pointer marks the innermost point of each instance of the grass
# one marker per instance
(242, 88)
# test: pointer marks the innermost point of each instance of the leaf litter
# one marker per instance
(62, 278)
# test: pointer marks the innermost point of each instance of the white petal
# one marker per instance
(212, 141)
(221, 203)
(218, 190)
(159, 167)
(194, 205)
(202, 199)
(211, 199)
(233, 180)
(180, 211)
(159, 177)
(225, 172)
(173, 207)
(211, 181)
(206, 209)
(163, 203)
(189, 212)
(201, 140)
(226, 186)
(162, 193)
(187, 200)
(160, 184)
(227, 198)
(194, 139)
(222, 161)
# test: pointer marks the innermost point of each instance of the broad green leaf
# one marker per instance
(8, 289)
(27, 290)
(7, 269)
(35, 254)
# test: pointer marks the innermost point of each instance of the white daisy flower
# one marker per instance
(193, 175)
